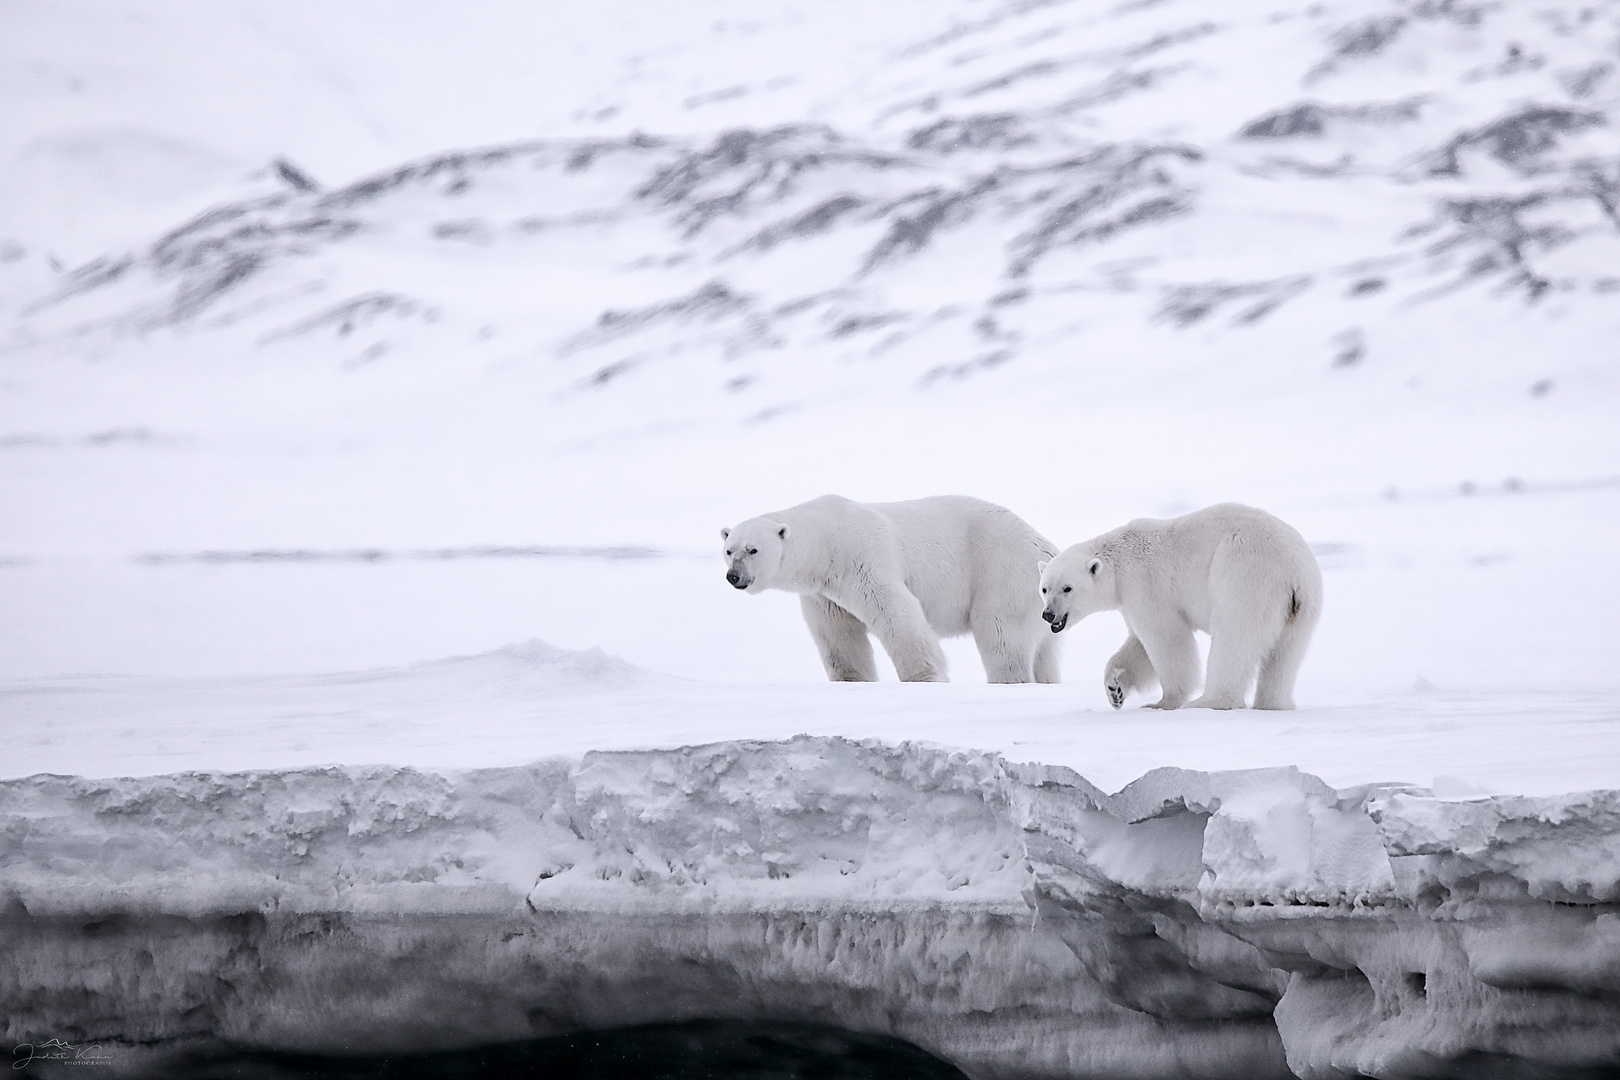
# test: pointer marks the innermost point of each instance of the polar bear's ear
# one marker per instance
(1092, 569)
(1040, 567)
(781, 532)
(725, 534)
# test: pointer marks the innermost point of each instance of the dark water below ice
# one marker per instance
(694, 1050)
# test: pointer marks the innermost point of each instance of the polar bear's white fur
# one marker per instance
(908, 573)
(1238, 574)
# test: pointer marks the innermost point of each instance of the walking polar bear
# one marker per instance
(908, 573)
(1239, 574)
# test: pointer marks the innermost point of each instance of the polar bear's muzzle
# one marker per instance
(739, 577)
(1058, 621)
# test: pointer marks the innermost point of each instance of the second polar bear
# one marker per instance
(907, 573)
(1238, 574)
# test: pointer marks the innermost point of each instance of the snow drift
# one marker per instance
(1011, 918)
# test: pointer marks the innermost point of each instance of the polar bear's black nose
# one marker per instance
(732, 577)
(1048, 616)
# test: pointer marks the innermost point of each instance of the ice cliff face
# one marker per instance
(1012, 918)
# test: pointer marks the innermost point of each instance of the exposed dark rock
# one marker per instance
(294, 177)
(1102, 194)
(1120, 84)
(220, 277)
(1365, 38)
(995, 131)
(1584, 81)
(710, 301)
(910, 231)
(1600, 181)
(1350, 347)
(744, 168)
(1185, 305)
(350, 315)
(448, 167)
(967, 367)
(856, 324)
(472, 230)
(92, 275)
(1307, 118)
(1453, 11)
(1517, 140)
(607, 374)
(1311, 118)
(1501, 241)
(818, 219)
(1171, 38)
(1369, 36)
(1027, 71)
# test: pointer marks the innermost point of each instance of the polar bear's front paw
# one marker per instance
(1116, 693)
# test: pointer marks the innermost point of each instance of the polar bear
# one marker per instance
(1239, 574)
(908, 573)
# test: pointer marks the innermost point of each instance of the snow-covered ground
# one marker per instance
(533, 701)
(343, 347)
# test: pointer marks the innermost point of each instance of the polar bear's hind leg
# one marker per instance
(1233, 659)
(1241, 635)
(1248, 610)
(1275, 688)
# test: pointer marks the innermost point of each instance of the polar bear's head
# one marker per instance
(754, 553)
(1075, 584)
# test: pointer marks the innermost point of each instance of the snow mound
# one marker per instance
(530, 666)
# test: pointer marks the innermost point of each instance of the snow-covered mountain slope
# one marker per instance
(1042, 178)
(1011, 918)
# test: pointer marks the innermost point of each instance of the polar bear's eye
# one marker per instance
(728, 551)
(1043, 590)
(753, 551)
(1068, 588)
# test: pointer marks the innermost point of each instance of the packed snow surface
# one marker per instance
(535, 700)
